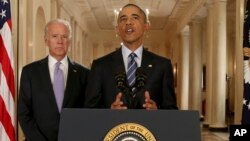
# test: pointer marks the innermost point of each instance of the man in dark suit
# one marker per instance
(38, 106)
(157, 74)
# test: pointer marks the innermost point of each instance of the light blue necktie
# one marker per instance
(132, 65)
(58, 85)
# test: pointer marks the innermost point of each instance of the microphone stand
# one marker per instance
(133, 96)
(138, 89)
(121, 82)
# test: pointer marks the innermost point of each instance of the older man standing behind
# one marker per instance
(50, 84)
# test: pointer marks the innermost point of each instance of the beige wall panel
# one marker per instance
(39, 48)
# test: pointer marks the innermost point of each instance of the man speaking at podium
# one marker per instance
(131, 77)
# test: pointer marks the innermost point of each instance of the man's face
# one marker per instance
(57, 39)
(131, 25)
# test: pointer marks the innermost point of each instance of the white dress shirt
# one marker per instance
(126, 52)
(63, 66)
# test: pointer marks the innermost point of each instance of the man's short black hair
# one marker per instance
(134, 5)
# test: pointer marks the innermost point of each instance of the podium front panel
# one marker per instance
(95, 124)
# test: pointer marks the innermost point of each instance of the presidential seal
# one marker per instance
(129, 132)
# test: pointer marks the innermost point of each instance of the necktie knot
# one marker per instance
(132, 56)
(57, 66)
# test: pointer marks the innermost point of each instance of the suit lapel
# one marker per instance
(147, 62)
(46, 81)
(117, 62)
(117, 66)
(72, 76)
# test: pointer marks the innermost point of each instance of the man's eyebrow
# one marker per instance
(136, 15)
(122, 16)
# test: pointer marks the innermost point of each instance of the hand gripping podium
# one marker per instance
(129, 125)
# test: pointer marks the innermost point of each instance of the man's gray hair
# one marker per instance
(65, 22)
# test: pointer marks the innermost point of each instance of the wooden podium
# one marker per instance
(139, 125)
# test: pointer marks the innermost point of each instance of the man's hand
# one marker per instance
(118, 104)
(246, 51)
(149, 103)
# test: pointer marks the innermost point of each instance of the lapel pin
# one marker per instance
(150, 66)
(75, 70)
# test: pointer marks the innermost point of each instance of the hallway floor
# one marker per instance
(207, 135)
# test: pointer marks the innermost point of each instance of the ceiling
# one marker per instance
(99, 14)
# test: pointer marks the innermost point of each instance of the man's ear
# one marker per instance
(147, 26)
(45, 39)
(117, 30)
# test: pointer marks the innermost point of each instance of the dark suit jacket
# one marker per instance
(37, 110)
(102, 90)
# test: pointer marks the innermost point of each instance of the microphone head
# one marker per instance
(141, 78)
(120, 79)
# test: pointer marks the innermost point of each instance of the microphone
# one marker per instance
(122, 85)
(141, 78)
(121, 80)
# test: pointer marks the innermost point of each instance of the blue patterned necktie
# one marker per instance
(132, 65)
(58, 85)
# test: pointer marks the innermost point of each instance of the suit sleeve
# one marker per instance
(25, 114)
(93, 90)
(168, 92)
